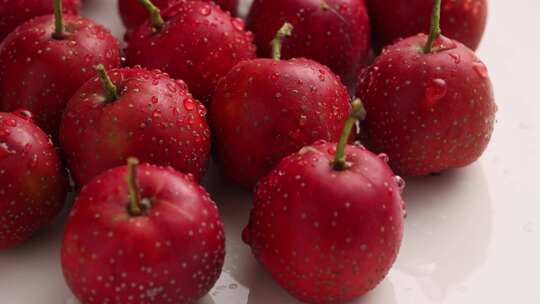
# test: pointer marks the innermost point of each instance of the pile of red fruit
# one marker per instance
(327, 218)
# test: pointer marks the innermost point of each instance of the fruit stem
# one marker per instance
(357, 113)
(155, 14)
(134, 194)
(58, 20)
(111, 91)
(284, 31)
(435, 30)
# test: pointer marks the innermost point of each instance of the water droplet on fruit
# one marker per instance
(400, 182)
(274, 76)
(455, 57)
(154, 99)
(33, 161)
(436, 90)
(10, 122)
(24, 114)
(238, 24)
(182, 84)
(383, 157)
(480, 69)
(205, 10)
(302, 120)
(172, 87)
(4, 132)
(404, 208)
(4, 150)
(359, 145)
(332, 150)
(189, 104)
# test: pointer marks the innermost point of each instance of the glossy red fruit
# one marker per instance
(429, 111)
(152, 117)
(168, 249)
(335, 33)
(327, 233)
(14, 13)
(265, 109)
(32, 182)
(197, 42)
(133, 13)
(462, 20)
(40, 72)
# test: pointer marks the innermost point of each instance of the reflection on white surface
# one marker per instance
(448, 231)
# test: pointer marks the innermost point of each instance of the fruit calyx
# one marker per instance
(58, 21)
(111, 91)
(155, 14)
(357, 113)
(136, 206)
(284, 31)
(435, 28)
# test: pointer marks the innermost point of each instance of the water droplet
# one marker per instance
(480, 69)
(384, 157)
(400, 182)
(205, 10)
(332, 150)
(189, 104)
(4, 132)
(455, 57)
(436, 90)
(359, 145)
(238, 24)
(33, 161)
(10, 122)
(24, 114)
(4, 150)
(275, 76)
(302, 120)
(154, 99)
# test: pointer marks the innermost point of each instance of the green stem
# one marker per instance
(284, 31)
(111, 91)
(155, 14)
(134, 207)
(435, 30)
(58, 20)
(357, 113)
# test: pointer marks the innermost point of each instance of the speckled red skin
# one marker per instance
(155, 119)
(171, 254)
(40, 73)
(338, 37)
(199, 44)
(426, 127)
(462, 20)
(327, 236)
(133, 13)
(266, 109)
(32, 181)
(14, 13)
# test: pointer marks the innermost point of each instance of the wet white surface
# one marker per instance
(472, 236)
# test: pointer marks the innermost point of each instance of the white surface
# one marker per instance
(472, 236)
